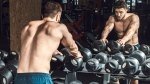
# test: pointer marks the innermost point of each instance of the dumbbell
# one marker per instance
(145, 48)
(75, 82)
(8, 70)
(11, 56)
(99, 46)
(72, 63)
(86, 53)
(96, 46)
(57, 62)
(6, 76)
(113, 47)
(8, 73)
(146, 68)
(114, 64)
(131, 66)
(97, 63)
(3, 55)
(127, 49)
(2, 64)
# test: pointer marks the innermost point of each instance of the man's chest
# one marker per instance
(122, 26)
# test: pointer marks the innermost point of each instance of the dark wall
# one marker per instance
(21, 12)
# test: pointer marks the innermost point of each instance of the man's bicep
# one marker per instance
(110, 23)
(134, 25)
(67, 37)
(135, 22)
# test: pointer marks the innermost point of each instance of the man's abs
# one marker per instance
(133, 41)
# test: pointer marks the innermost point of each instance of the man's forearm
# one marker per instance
(74, 49)
(105, 34)
(128, 35)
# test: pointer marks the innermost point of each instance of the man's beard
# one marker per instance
(120, 18)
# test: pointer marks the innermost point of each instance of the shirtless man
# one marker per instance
(125, 24)
(39, 40)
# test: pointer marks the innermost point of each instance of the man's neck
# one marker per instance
(50, 19)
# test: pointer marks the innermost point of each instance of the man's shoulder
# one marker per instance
(133, 15)
(112, 16)
(35, 22)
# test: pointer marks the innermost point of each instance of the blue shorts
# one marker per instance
(33, 78)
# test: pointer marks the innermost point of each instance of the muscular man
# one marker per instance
(39, 40)
(125, 24)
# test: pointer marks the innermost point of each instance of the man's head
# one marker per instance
(52, 10)
(120, 9)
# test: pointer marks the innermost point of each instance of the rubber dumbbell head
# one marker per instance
(96, 64)
(102, 57)
(146, 68)
(73, 64)
(99, 46)
(86, 53)
(131, 66)
(139, 55)
(114, 65)
(113, 47)
(92, 65)
(128, 49)
(57, 62)
(145, 49)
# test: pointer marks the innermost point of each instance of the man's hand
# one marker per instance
(104, 40)
(57, 52)
(79, 55)
(120, 41)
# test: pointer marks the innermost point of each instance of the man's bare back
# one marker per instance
(39, 40)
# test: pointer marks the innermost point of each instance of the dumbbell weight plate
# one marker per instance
(139, 55)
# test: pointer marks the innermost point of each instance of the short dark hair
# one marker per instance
(120, 4)
(51, 9)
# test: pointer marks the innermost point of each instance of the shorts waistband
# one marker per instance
(33, 74)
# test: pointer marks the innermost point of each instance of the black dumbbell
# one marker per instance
(11, 56)
(3, 55)
(99, 46)
(8, 73)
(127, 49)
(145, 48)
(113, 47)
(6, 76)
(76, 82)
(93, 82)
(12, 66)
(72, 63)
(57, 62)
(97, 63)
(114, 64)
(131, 65)
(86, 53)
(2, 64)
(96, 46)
(146, 68)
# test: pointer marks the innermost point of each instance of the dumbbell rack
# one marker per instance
(71, 76)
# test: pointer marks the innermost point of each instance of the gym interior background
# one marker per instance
(85, 16)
